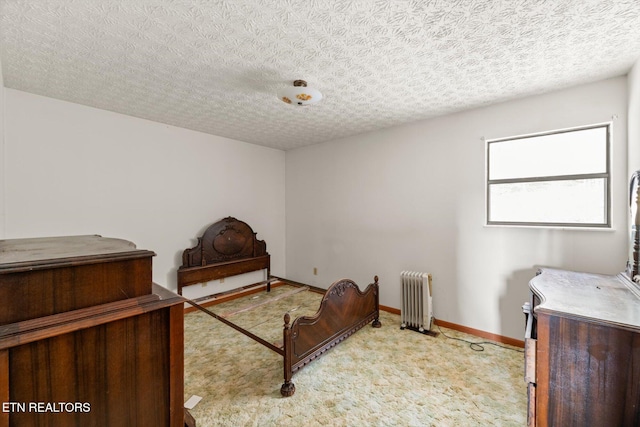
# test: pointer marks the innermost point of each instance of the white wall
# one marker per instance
(72, 170)
(634, 119)
(412, 198)
(2, 163)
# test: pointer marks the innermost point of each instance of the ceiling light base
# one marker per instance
(300, 94)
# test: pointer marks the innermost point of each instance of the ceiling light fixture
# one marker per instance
(299, 94)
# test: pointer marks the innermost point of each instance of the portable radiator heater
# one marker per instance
(417, 310)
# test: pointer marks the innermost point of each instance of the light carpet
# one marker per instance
(377, 377)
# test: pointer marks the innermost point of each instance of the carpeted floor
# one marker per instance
(377, 377)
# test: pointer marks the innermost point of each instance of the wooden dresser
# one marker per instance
(582, 350)
(86, 338)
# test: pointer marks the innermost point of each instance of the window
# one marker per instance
(559, 178)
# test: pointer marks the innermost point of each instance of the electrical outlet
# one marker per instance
(315, 271)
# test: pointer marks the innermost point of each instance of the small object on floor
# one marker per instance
(192, 402)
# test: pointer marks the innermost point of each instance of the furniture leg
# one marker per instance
(288, 388)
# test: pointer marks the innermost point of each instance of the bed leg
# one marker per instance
(376, 323)
(287, 389)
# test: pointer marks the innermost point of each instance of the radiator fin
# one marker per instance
(417, 310)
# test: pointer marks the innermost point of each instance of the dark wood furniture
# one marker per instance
(586, 353)
(582, 345)
(229, 247)
(86, 338)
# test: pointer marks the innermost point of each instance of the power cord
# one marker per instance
(478, 346)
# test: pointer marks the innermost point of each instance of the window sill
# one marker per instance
(550, 227)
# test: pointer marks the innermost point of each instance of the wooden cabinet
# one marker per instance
(86, 338)
(583, 352)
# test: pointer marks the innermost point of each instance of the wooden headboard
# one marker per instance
(227, 248)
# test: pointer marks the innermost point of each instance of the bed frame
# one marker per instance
(230, 247)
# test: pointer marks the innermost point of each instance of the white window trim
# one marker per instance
(581, 226)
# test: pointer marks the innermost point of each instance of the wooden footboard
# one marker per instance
(344, 310)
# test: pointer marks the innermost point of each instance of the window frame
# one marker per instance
(600, 175)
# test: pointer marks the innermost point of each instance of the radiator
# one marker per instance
(417, 310)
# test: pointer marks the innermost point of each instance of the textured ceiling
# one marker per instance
(215, 66)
